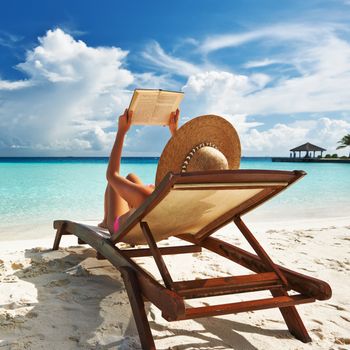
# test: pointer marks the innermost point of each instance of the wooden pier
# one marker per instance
(310, 160)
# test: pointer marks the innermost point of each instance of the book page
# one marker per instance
(167, 103)
(142, 105)
(153, 107)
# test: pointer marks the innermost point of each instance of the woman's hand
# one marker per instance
(174, 120)
(124, 122)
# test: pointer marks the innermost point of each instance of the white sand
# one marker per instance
(69, 300)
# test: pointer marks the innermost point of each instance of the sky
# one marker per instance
(279, 71)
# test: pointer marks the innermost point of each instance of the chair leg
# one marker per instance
(293, 320)
(259, 249)
(80, 241)
(138, 308)
(59, 233)
(157, 255)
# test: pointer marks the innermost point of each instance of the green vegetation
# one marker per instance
(334, 156)
(344, 142)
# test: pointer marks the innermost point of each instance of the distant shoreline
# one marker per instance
(90, 158)
(310, 160)
(99, 159)
(155, 159)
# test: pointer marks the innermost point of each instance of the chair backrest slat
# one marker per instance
(228, 185)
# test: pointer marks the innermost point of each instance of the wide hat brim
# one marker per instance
(202, 129)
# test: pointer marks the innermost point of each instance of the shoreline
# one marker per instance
(309, 160)
(44, 230)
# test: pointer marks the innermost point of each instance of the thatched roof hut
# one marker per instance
(308, 148)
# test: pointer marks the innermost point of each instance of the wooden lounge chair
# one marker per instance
(192, 206)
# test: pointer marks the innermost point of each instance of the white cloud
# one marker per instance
(323, 86)
(71, 96)
(146, 140)
(323, 62)
(260, 63)
(154, 81)
(320, 56)
(278, 140)
(60, 58)
(14, 85)
(286, 32)
(227, 95)
(70, 100)
(159, 58)
(9, 40)
(222, 93)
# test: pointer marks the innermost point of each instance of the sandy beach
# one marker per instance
(67, 299)
(162, 118)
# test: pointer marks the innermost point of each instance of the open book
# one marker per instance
(153, 107)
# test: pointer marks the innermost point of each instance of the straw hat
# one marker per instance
(207, 134)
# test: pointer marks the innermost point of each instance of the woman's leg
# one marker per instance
(134, 178)
(112, 202)
(103, 223)
(116, 207)
(134, 193)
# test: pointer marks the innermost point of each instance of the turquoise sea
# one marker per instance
(35, 191)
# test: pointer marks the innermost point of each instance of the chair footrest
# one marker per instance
(227, 285)
(243, 306)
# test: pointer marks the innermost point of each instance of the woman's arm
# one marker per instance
(174, 121)
(133, 193)
(124, 124)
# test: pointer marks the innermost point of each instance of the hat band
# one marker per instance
(192, 152)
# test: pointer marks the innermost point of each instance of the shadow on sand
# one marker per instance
(79, 300)
(82, 304)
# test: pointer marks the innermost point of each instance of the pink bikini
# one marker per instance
(116, 224)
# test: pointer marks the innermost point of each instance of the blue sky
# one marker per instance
(278, 70)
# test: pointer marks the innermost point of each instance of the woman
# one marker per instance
(125, 193)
